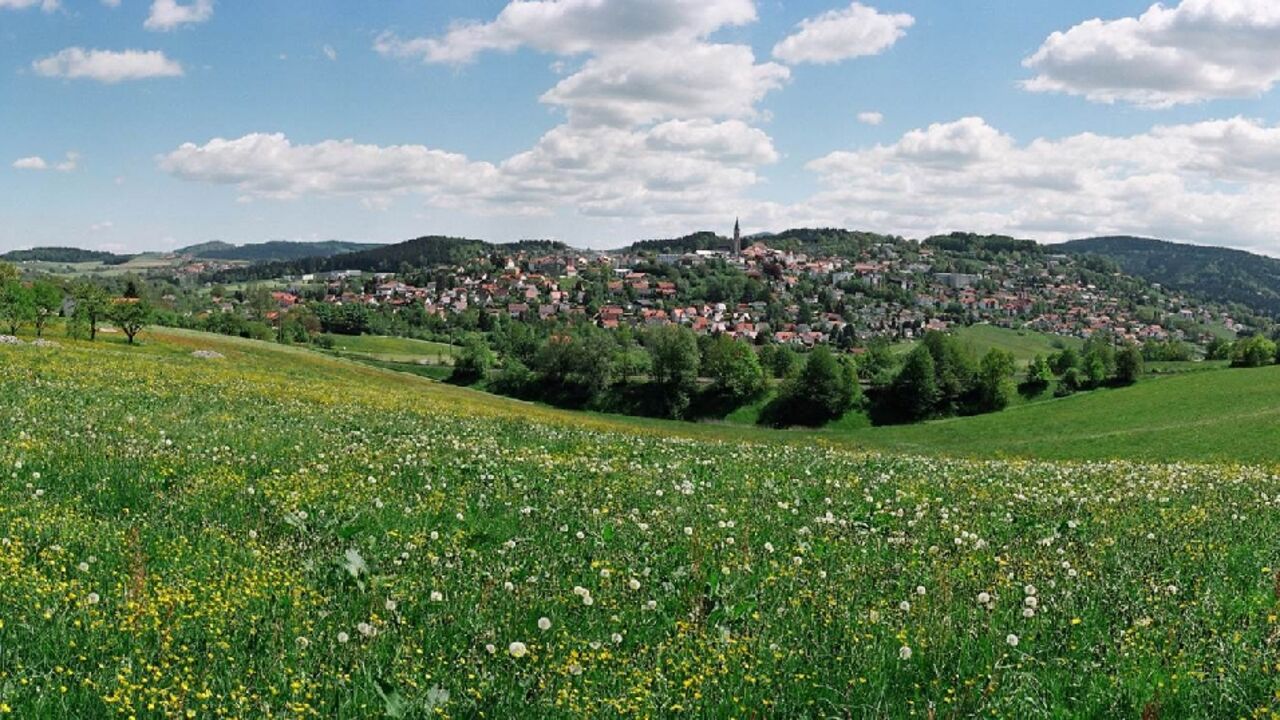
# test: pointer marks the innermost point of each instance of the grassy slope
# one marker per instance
(1217, 414)
(191, 550)
(394, 349)
(1024, 344)
(1207, 412)
(1213, 415)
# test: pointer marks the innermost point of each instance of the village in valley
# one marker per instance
(892, 289)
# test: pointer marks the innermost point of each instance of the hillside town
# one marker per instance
(892, 290)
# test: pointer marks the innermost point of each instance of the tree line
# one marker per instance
(85, 305)
(663, 371)
(668, 371)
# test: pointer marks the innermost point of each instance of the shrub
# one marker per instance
(824, 391)
(473, 363)
(1255, 351)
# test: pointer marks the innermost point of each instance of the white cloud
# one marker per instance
(1212, 182)
(870, 118)
(329, 52)
(649, 60)
(45, 5)
(1198, 50)
(1208, 181)
(70, 164)
(100, 226)
(838, 35)
(731, 141)
(655, 131)
(376, 203)
(111, 3)
(677, 168)
(271, 166)
(166, 15)
(107, 66)
(34, 162)
(648, 82)
(569, 27)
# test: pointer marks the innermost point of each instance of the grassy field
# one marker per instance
(1219, 415)
(1190, 412)
(395, 349)
(1176, 367)
(1024, 344)
(278, 533)
(139, 265)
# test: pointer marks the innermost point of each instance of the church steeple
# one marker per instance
(737, 237)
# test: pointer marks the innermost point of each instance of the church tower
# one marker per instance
(737, 238)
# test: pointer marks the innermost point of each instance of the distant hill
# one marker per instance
(274, 251)
(704, 240)
(1215, 273)
(828, 241)
(420, 252)
(982, 244)
(65, 255)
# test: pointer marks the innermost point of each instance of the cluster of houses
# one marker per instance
(1043, 293)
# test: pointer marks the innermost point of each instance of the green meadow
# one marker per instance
(258, 531)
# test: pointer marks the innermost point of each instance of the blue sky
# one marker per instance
(152, 124)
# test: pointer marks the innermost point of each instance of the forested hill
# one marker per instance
(64, 255)
(838, 242)
(273, 251)
(705, 240)
(816, 241)
(1219, 273)
(423, 252)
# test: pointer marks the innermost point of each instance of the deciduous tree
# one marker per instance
(17, 306)
(673, 351)
(734, 369)
(131, 315)
(48, 301)
(1128, 365)
(91, 305)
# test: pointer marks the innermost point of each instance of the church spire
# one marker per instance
(737, 237)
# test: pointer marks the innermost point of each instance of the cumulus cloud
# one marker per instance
(677, 168)
(271, 166)
(1212, 182)
(329, 52)
(70, 164)
(731, 142)
(570, 27)
(656, 124)
(836, 35)
(107, 66)
(1198, 50)
(649, 59)
(166, 15)
(870, 118)
(1206, 181)
(657, 81)
(673, 168)
(45, 5)
(34, 162)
